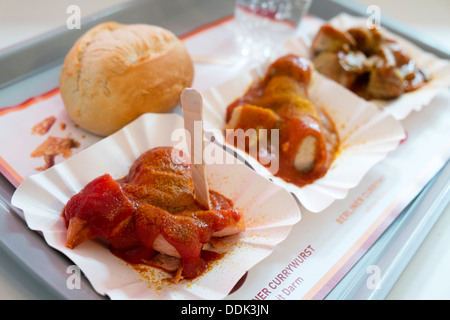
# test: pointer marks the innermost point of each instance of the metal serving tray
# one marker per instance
(33, 67)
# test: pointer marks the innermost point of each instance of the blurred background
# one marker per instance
(21, 20)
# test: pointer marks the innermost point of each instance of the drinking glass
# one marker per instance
(263, 25)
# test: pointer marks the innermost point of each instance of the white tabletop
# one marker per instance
(426, 277)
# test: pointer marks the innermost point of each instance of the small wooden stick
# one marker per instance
(192, 103)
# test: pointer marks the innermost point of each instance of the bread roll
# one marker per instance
(114, 73)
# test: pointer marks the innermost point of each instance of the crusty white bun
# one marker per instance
(114, 73)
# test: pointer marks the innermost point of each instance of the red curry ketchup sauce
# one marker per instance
(279, 101)
(155, 199)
